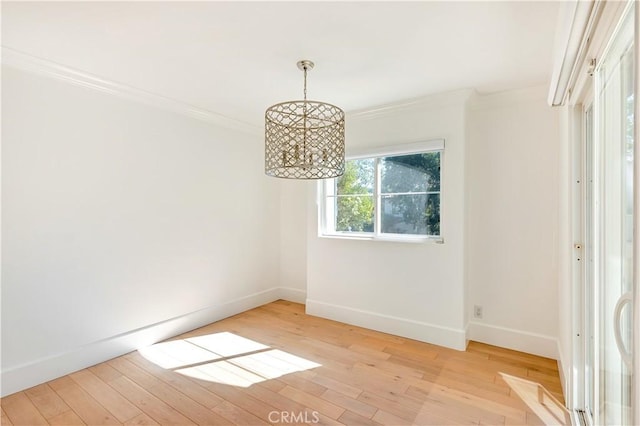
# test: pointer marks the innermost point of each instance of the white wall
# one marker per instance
(293, 237)
(512, 182)
(500, 224)
(118, 216)
(409, 289)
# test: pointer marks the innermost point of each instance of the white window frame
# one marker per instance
(326, 212)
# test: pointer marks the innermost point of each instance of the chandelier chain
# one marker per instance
(305, 83)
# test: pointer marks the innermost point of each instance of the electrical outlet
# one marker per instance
(477, 311)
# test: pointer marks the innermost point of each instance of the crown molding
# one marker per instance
(508, 98)
(26, 62)
(439, 100)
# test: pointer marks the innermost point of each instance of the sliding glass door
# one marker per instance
(612, 226)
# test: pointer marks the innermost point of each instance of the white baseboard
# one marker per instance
(292, 294)
(32, 373)
(430, 333)
(518, 340)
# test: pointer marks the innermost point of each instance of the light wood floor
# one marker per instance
(348, 375)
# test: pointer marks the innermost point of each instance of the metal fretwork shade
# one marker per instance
(304, 139)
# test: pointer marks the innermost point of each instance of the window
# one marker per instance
(389, 194)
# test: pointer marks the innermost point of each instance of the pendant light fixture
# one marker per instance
(304, 139)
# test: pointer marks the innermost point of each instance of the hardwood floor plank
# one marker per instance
(108, 397)
(329, 383)
(484, 403)
(377, 340)
(105, 372)
(60, 383)
(384, 368)
(4, 419)
(326, 420)
(385, 418)
(420, 390)
(456, 379)
(273, 385)
(467, 369)
(432, 413)
(133, 372)
(240, 398)
(274, 399)
(363, 377)
(508, 355)
(408, 362)
(480, 409)
(428, 418)
(237, 415)
(284, 404)
(149, 404)
(47, 401)
(404, 407)
(193, 388)
(140, 419)
(85, 406)
(532, 419)
(339, 353)
(310, 400)
(350, 418)
(167, 393)
(425, 355)
(21, 411)
(303, 384)
(549, 381)
(350, 404)
(68, 418)
(471, 360)
(551, 372)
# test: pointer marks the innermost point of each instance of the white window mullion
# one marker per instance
(377, 203)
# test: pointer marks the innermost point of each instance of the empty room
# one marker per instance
(310, 212)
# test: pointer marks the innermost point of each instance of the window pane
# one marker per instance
(354, 213)
(411, 214)
(411, 173)
(358, 177)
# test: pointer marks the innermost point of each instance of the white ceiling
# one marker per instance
(237, 58)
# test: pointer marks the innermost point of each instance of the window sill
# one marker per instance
(385, 238)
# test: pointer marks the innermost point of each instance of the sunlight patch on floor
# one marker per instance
(223, 372)
(540, 401)
(225, 358)
(177, 353)
(226, 344)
